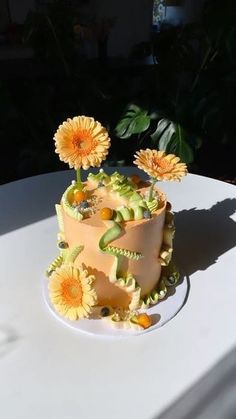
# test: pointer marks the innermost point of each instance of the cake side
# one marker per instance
(142, 236)
(135, 255)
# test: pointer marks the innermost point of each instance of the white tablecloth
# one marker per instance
(49, 371)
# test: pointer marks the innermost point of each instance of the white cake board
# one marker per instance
(161, 313)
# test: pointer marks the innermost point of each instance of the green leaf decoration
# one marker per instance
(135, 121)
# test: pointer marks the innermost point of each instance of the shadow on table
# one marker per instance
(212, 397)
(30, 200)
(8, 340)
(202, 236)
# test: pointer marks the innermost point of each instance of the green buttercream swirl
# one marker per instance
(101, 176)
(152, 205)
(170, 277)
(111, 234)
(69, 209)
(125, 188)
(157, 294)
(122, 185)
(58, 261)
(66, 256)
(128, 282)
(117, 178)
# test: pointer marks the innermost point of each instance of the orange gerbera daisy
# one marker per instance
(71, 292)
(159, 165)
(82, 142)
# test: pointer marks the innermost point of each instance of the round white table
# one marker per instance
(49, 371)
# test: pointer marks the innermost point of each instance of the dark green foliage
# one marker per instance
(184, 104)
(167, 136)
(194, 87)
(134, 121)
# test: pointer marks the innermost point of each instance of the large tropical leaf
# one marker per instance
(134, 121)
(171, 138)
(178, 145)
(164, 131)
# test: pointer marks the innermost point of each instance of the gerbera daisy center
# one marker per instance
(71, 292)
(83, 142)
(162, 165)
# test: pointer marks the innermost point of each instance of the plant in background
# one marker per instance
(155, 131)
(195, 83)
(193, 89)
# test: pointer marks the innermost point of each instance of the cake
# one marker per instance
(116, 232)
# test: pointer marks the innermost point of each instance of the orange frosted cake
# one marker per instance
(115, 232)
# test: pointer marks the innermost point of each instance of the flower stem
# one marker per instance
(78, 178)
(153, 181)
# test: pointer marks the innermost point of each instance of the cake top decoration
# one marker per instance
(159, 165)
(82, 142)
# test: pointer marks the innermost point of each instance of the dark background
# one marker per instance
(64, 58)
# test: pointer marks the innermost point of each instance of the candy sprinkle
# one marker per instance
(105, 311)
(63, 245)
(147, 214)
